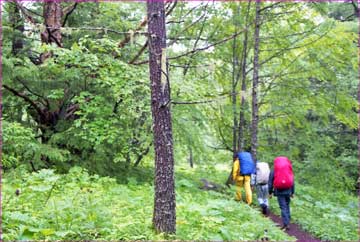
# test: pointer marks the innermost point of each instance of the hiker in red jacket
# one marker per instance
(281, 183)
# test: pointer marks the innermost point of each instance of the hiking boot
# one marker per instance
(285, 227)
(263, 208)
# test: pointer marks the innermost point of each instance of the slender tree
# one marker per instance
(17, 23)
(254, 124)
(191, 159)
(164, 217)
(359, 118)
(243, 83)
(1, 110)
(235, 59)
(357, 13)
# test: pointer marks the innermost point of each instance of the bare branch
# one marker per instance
(195, 102)
(195, 45)
(218, 148)
(67, 11)
(189, 26)
(270, 6)
(32, 92)
(25, 98)
(224, 141)
(188, 66)
(281, 51)
(170, 9)
(140, 52)
(128, 37)
(95, 29)
(24, 11)
(356, 8)
(141, 25)
(209, 46)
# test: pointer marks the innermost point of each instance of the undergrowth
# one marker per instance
(328, 215)
(79, 206)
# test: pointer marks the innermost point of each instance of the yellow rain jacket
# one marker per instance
(241, 181)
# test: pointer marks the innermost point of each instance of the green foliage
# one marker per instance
(326, 214)
(307, 111)
(21, 147)
(80, 206)
(111, 97)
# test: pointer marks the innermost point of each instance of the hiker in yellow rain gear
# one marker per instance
(241, 181)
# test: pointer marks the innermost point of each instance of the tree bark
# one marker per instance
(357, 14)
(191, 161)
(164, 217)
(235, 60)
(358, 96)
(243, 84)
(359, 120)
(254, 124)
(52, 20)
(17, 24)
(1, 105)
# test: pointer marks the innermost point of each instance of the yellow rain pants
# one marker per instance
(241, 181)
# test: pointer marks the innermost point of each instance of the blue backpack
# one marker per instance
(247, 166)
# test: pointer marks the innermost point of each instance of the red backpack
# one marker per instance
(283, 173)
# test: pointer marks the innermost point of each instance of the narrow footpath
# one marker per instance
(294, 230)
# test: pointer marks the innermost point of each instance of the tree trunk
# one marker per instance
(191, 162)
(1, 105)
(17, 24)
(164, 217)
(233, 85)
(52, 21)
(243, 85)
(359, 117)
(254, 124)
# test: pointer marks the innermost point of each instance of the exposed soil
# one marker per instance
(294, 230)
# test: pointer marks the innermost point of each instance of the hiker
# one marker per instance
(260, 180)
(281, 183)
(243, 167)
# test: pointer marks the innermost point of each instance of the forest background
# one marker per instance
(279, 78)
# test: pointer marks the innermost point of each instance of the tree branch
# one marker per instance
(67, 11)
(208, 46)
(194, 102)
(25, 13)
(128, 37)
(217, 148)
(281, 51)
(32, 92)
(139, 53)
(142, 154)
(25, 98)
(96, 29)
(224, 141)
(356, 8)
(141, 25)
(199, 49)
(189, 26)
(270, 6)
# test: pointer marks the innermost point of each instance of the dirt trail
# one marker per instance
(294, 230)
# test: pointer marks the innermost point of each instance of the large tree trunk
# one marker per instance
(254, 124)
(358, 16)
(359, 117)
(164, 217)
(1, 113)
(52, 20)
(17, 24)
(243, 85)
